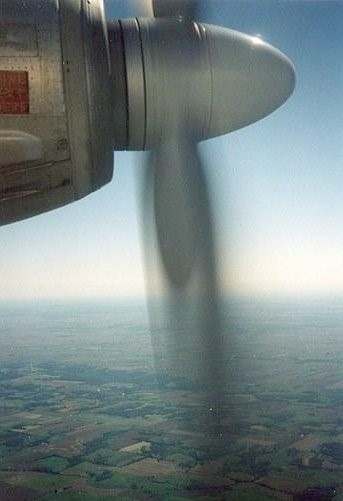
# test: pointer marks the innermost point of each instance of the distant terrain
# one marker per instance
(82, 416)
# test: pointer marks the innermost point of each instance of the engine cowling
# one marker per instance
(56, 117)
(223, 79)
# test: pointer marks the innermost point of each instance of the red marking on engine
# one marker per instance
(14, 93)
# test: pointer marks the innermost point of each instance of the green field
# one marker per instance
(82, 416)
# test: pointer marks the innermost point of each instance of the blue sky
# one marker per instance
(278, 184)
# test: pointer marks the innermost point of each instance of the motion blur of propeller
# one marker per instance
(199, 81)
(174, 8)
(74, 87)
(176, 204)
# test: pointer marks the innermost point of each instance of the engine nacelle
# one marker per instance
(56, 118)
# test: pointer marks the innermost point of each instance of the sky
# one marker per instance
(277, 184)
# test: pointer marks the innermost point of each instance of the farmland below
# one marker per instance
(84, 417)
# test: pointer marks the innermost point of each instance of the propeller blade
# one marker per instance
(141, 8)
(186, 324)
(173, 8)
(178, 238)
(178, 208)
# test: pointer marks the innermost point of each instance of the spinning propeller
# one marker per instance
(73, 88)
(198, 81)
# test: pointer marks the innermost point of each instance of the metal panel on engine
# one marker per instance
(35, 168)
(30, 43)
(55, 104)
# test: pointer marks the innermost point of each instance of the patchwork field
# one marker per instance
(80, 426)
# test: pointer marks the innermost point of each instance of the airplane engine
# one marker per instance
(73, 88)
